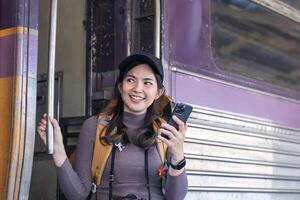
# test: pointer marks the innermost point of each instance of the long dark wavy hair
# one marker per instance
(145, 136)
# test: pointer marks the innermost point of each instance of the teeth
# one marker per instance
(135, 97)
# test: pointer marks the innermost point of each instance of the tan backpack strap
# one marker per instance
(101, 151)
(72, 158)
(162, 147)
(102, 117)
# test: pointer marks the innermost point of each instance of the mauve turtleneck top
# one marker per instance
(129, 168)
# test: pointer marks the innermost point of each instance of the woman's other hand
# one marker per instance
(59, 154)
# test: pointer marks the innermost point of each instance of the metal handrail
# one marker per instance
(51, 75)
(157, 29)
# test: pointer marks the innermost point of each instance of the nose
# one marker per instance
(138, 87)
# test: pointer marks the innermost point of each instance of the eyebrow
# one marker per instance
(145, 79)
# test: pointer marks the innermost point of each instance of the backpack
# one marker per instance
(98, 162)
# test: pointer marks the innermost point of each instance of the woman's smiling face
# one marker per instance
(139, 89)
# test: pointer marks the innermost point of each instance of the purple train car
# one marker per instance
(236, 61)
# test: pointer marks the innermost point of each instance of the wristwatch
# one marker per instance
(179, 165)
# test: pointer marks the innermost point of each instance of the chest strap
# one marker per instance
(147, 173)
(112, 172)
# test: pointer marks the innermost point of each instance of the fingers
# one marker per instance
(165, 140)
(54, 123)
(170, 128)
(173, 136)
(182, 126)
(178, 133)
(42, 125)
(42, 128)
(172, 141)
(168, 133)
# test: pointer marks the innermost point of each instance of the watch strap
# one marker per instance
(181, 164)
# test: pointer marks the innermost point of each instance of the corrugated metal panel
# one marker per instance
(235, 157)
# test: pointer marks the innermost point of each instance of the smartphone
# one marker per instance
(182, 111)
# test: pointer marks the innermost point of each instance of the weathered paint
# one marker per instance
(188, 37)
(18, 63)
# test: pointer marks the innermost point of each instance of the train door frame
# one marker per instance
(24, 32)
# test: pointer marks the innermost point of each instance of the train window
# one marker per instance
(143, 26)
(253, 41)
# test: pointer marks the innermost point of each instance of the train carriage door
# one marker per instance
(18, 64)
(92, 38)
(69, 84)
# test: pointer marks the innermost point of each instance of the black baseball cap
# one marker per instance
(132, 60)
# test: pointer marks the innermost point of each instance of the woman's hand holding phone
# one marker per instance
(174, 142)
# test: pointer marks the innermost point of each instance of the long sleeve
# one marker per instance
(76, 184)
(176, 187)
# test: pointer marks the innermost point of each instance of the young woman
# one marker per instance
(132, 110)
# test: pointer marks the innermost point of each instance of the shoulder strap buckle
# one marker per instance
(94, 188)
(111, 178)
(120, 146)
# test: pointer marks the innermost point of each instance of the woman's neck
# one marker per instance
(133, 120)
